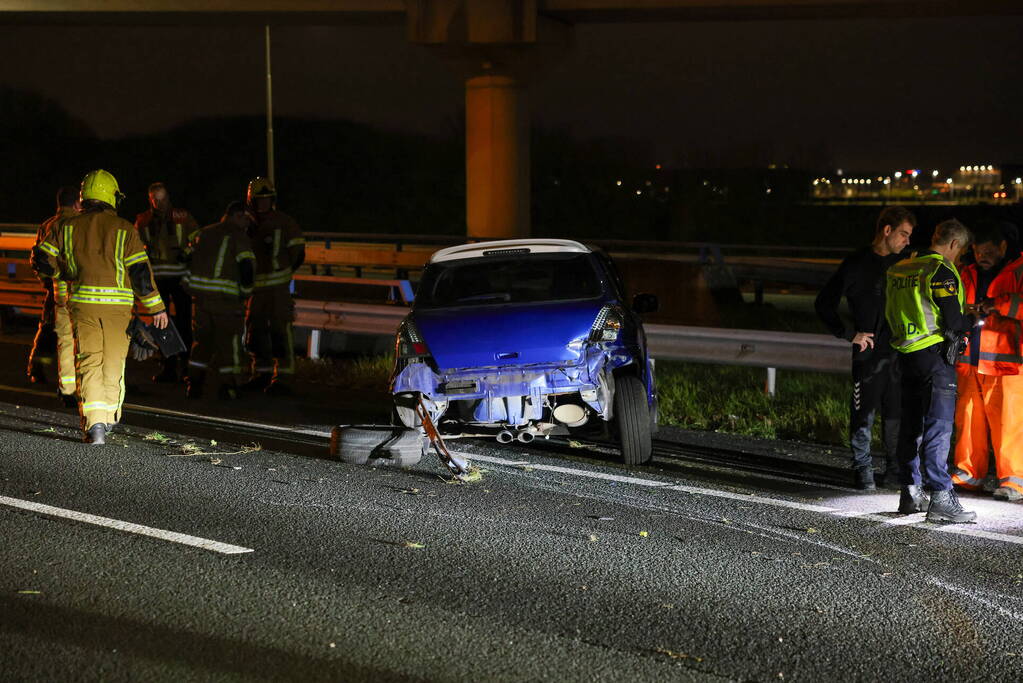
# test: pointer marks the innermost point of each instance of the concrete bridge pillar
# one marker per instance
(497, 47)
(497, 197)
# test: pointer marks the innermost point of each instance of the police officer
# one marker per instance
(924, 309)
(54, 333)
(280, 250)
(221, 279)
(105, 264)
(861, 280)
(166, 232)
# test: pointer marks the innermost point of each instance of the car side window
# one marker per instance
(612, 272)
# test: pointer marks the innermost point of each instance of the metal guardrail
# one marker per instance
(753, 348)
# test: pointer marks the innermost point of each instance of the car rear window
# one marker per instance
(519, 279)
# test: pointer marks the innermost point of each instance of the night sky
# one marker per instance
(871, 95)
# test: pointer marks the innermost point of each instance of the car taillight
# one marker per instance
(409, 343)
(607, 325)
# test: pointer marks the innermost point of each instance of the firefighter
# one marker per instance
(166, 232)
(54, 333)
(924, 309)
(221, 279)
(990, 384)
(280, 250)
(875, 376)
(105, 264)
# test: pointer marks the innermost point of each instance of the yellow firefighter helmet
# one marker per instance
(101, 186)
(259, 187)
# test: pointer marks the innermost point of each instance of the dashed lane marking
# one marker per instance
(908, 520)
(172, 536)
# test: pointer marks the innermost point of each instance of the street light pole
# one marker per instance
(269, 115)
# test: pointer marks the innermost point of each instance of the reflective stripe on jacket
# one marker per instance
(166, 236)
(1000, 337)
(217, 252)
(913, 316)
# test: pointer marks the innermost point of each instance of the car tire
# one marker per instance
(632, 418)
(389, 447)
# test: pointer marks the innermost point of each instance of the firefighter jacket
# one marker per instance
(166, 234)
(54, 286)
(103, 261)
(279, 248)
(223, 265)
(999, 337)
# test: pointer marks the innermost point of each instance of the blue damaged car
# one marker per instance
(524, 339)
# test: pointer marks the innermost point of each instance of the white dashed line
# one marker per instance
(172, 536)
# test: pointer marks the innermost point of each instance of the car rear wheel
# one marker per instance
(632, 417)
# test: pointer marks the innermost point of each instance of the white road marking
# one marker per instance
(172, 536)
(907, 520)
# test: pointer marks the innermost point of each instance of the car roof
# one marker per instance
(523, 246)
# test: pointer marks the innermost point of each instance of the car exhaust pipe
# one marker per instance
(504, 436)
(525, 437)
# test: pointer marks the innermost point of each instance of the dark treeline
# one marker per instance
(338, 176)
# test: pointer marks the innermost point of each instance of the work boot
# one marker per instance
(945, 508)
(68, 400)
(168, 375)
(227, 392)
(194, 386)
(36, 374)
(278, 388)
(863, 478)
(1008, 494)
(990, 484)
(912, 499)
(257, 383)
(97, 434)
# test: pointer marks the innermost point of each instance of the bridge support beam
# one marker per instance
(497, 197)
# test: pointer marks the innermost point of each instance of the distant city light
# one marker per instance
(839, 171)
(1019, 180)
(962, 168)
(639, 191)
(948, 181)
(618, 183)
(658, 167)
(990, 168)
(887, 181)
(913, 173)
(934, 174)
(898, 174)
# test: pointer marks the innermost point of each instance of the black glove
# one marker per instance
(142, 346)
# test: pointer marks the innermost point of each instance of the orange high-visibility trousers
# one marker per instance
(989, 417)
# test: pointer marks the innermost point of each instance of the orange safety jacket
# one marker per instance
(1000, 335)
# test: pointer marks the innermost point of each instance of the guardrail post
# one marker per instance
(770, 385)
(314, 344)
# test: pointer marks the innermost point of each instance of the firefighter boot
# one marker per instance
(258, 382)
(67, 400)
(864, 478)
(195, 381)
(1008, 494)
(945, 508)
(227, 392)
(912, 499)
(97, 434)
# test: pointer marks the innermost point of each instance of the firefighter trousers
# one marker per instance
(218, 324)
(989, 417)
(875, 390)
(101, 340)
(65, 350)
(269, 335)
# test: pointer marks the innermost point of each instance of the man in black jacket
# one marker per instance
(861, 280)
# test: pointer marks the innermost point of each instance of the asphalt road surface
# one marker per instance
(169, 557)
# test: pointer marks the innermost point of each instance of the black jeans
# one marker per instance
(928, 416)
(875, 389)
